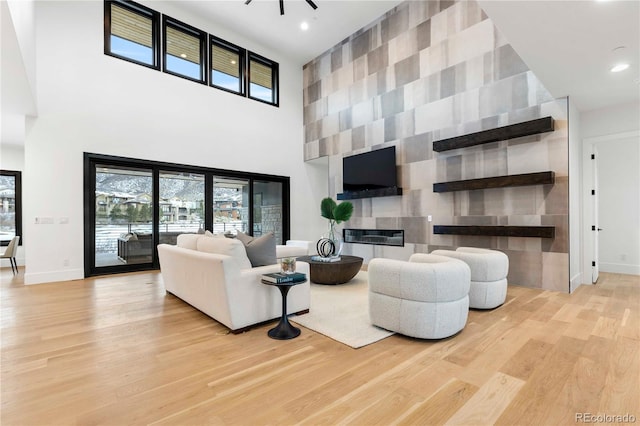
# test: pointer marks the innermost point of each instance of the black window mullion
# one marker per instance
(156, 216)
(251, 208)
(208, 201)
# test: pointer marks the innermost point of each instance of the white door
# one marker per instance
(595, 230)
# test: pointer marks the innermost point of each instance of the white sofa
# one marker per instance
(426, 297)
(214, 275)
(295, 248)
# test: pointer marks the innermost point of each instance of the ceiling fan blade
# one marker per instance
(247, 2)
(281, 7)
(312, 4)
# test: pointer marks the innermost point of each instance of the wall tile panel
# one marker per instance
(425, 71)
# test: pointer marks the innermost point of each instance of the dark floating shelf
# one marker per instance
(526, 128)
(370, 193)
(496, 182)
(497, 231)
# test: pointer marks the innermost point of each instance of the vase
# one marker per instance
(331, 243)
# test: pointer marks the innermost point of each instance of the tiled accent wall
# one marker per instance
(429, 70)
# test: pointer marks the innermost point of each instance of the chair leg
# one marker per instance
(13, 262)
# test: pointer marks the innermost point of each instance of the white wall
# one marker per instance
(11, 157)
(90, 102)
(575, 198)
(607, 121)
(615, 132)
(23, 17)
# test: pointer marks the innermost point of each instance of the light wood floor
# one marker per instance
(117, 351)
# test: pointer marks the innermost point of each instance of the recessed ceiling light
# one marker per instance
(183, 55)
(233, 62)
(304, 26)
(619, 67)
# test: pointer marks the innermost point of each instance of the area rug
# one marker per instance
(341, 312)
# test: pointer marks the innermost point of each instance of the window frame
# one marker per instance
(89, 203)
(187, 29)
(18, 203)
(159, 24)
(275, 78)
(140, 10)
(242, 68)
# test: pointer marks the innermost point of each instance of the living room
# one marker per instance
(76, 103)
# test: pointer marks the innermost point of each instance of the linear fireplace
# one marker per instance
(385, 237)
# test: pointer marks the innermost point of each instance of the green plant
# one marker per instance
(336, 213)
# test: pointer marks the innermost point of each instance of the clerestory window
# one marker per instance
(227, 66)
(131, 32)
(184, 50)
(263, 79)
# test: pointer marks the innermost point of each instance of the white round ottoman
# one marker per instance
(426, 297)
(489, 269)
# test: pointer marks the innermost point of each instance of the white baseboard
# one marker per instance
(620, 268)
(575, 282)
(53, 276)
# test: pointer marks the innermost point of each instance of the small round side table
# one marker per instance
(284, 330)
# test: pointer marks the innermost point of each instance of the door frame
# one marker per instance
(589, 183)
(92, 159)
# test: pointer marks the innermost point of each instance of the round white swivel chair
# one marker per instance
(426, 297)
(489, 269)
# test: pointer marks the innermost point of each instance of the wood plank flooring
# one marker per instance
(118, 351)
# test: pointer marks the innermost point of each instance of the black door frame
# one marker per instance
(91, 160)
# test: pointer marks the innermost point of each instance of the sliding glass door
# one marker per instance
(123, 225)
(230, 205)
(181, 204)
(132, 205)
(268, 209)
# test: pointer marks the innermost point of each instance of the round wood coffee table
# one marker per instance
(333, 272)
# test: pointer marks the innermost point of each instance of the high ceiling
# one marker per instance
(329, 24)
(569, 46)
(567, 43)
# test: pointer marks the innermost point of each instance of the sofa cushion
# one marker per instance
(261, 251)
(290, 251)
(227, 247)
(188, 241)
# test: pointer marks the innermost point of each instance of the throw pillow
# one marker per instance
(188, 241)
(261, 251)
(233, 248)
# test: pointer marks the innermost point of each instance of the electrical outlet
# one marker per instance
(623, 257)
(65, 262)
(429, 218)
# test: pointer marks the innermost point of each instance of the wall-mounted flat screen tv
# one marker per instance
(370, 170)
